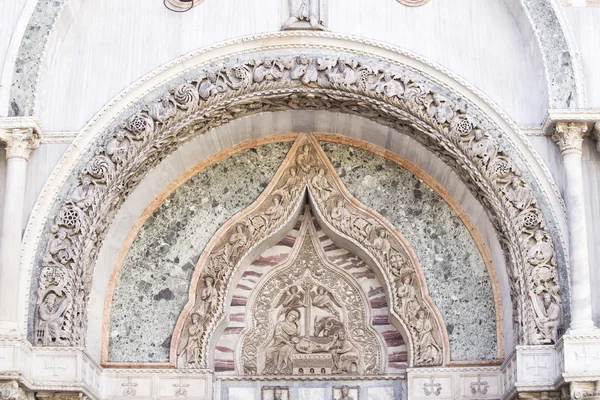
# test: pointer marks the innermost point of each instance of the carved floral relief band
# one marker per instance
(386, 94)
(306, 167)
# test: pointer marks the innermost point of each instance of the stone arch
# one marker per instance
(40, 22)
(389, 94)
(307, 171)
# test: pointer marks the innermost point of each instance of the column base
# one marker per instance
(582, 328)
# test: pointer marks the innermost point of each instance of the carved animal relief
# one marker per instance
(307, 170)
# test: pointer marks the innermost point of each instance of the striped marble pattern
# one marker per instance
(224, 355)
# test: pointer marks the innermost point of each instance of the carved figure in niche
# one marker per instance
(341, 217)
(269, 70)
(342, 73)
(208, 298)
(407, 295)
(51, 319)
(82, 195)
(550, 319)
(304, 10)
(322, 185)
(275, 211)
(279, 353)
(59, 249)
(518, 194)
(211, 86)
(345, 355)
(116, 147)
(235, 245)
(305, 71)
(345, 393)
(428, 351)
(442, 110)
(541, 253)
(381, 247)
(483, 148)
(191, 346)
(388, 86)
(324, 300)
(292, 298)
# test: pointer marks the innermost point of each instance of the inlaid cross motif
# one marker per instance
(479, 387)
(432, 387)
(54, 366)
(129, 387)
(536, 365)
(586, 356)
(180, 391)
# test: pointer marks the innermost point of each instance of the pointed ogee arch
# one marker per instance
(307, 168)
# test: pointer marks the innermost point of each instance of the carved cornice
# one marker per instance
(21, 135)
(389, 95)
(569, 136)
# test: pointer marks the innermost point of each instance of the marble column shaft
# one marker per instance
(569, 137)
(19, 144)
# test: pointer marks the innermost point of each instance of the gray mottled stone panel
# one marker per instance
(456, 275)
(153, 285)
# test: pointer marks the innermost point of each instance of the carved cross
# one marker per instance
(479, 387)
(536, 365)
(586, 356)
(432, 387)
(129, 387)
(54, 366)
(180, 391)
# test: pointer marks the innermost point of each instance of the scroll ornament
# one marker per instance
(348, 84)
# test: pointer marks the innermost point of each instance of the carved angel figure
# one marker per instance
(50, 319)
(322, 186)
(292, 298)
(324, 300)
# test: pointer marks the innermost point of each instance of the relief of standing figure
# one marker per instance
(307, 11)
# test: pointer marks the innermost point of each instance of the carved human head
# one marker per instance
(50, 299)
(304, 59)
(382, 233)
(292, 315)
(195, 318)
(387, 75)
(515, 181)
(293, 171)
(267, 62)
(277, 199)
(407, 279)
(239, 228)
(120, 135)
(478, 134)
(422, 314)
(212, 76)
(293, 289)
(295, 340)
(86, 180)
(341, 335)
(62, 234)
(539, 235)
(209, 280)
(277, 394)
(547, 298)
(321, 171)
(321, 290)
(345, 391)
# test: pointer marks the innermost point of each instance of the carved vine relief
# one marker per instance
(308, 319)
(349, 84)
(307, 167)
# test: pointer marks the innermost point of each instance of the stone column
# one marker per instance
(569, 137)
(19, 141)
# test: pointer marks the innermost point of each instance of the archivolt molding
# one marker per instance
(307, 167)
(386, 94)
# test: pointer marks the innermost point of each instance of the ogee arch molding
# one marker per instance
(109, 166)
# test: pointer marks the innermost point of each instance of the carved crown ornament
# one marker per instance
(306, 169)
(390, 95)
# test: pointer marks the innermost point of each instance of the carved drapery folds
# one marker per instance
(358, 85)
(307, 167)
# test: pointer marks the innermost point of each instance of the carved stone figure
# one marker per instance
(304, 10)
(208, 298)
(428, 350)
(518, 195)
(342, 73)
(324, 300)
(211, 86)
(117, 146)
(381, 247)
(345, 355)
(58, 251)
(442, 109)
(292, 298)
(190, 346)
(388, 86)
(279, 353)
(321, 185)
(83, 194)
(345, 393)
(341, 217)
(268, 70)
(483, 148)
(407, 296)
(275, 212)
(304, 70)
(550, 320)
(541, 253)
(50, 322)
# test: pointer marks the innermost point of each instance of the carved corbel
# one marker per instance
(20, 136)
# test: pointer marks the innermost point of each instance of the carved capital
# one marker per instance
(21, 135)
(569, 136)
(596, 134)
(11, 391)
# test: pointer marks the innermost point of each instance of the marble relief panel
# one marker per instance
(456, 275)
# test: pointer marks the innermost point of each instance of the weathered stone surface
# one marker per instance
(456, 275)
(152, 287)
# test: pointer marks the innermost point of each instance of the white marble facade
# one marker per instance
(502, 224)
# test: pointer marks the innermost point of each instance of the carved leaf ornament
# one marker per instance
(307, 167)
(362, 86)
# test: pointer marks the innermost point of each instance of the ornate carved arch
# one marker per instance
(307, 171)
(388, 94)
